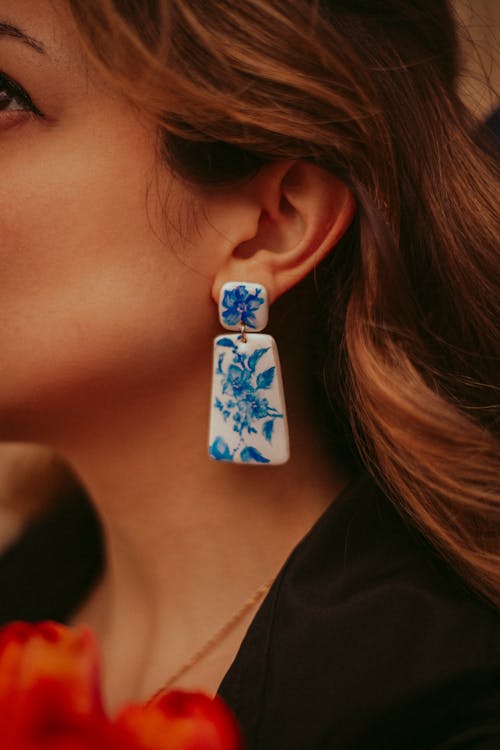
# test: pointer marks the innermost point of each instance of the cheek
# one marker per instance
(93, 291)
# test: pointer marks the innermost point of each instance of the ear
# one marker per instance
(293, 214)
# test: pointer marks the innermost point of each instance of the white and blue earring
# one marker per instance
(247, 417)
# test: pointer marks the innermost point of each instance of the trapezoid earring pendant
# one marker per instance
(248, 422)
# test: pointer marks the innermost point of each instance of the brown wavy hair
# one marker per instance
(368, 91)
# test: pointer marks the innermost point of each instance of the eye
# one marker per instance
(13, 98)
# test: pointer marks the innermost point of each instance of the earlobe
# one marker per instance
(303, 211)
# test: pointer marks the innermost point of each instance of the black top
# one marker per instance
(366, 640)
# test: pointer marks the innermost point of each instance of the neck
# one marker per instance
(189, 539)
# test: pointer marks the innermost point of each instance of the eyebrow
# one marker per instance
(7, 29)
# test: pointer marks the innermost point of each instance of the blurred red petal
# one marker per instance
(48, 683)
(48, 650)
(181, 720)
(50, 700)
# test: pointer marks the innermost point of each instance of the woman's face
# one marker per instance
(98, 287)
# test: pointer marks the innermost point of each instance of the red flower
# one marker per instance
(183, 721)
(50, 700)
(48, 687)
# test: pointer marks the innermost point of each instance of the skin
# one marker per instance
(110, 271)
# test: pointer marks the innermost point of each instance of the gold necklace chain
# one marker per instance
(214, 640)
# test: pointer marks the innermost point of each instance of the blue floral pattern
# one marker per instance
(240, 305)
(242, 400)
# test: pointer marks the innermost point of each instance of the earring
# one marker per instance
(247, 417)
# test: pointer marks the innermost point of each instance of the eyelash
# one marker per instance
(15, 91)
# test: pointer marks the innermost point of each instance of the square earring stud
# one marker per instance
(241, 302)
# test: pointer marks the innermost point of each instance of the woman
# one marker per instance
(154, 151)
